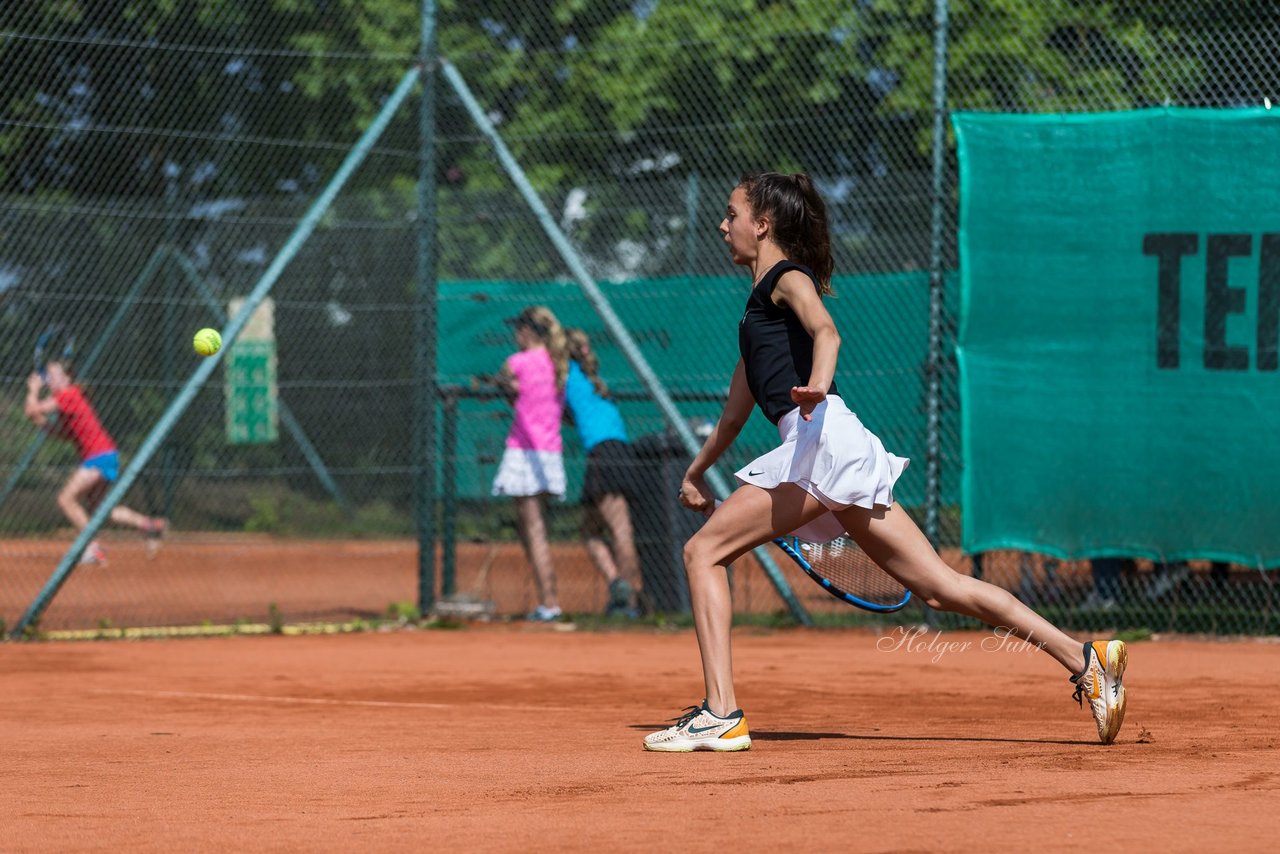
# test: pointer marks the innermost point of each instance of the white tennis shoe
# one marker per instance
(94, 555)
(1101, 682)
(697, 728)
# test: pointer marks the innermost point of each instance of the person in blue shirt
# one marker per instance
(611, 470)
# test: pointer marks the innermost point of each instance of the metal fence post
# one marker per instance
(449, 487)
(425, 392)
(937, 275)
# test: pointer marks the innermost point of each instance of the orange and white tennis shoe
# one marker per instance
(1101, 682)
(697, 728)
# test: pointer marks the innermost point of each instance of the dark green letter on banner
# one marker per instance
(1118, 343)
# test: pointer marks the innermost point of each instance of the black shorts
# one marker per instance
(612, 466)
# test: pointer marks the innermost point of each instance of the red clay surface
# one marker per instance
(528, 738)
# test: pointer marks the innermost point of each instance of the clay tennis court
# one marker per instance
(528, 738)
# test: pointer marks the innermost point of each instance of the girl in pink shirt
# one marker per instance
(532, 464)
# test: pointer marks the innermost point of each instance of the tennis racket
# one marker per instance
(52, 343)
(842, 569)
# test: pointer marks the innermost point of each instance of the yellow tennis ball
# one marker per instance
(207, 342)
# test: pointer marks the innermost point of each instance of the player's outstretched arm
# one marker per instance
(694, 492)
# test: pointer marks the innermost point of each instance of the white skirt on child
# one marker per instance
(833, 458)
(524, 472)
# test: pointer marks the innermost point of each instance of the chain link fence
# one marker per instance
(158, 157)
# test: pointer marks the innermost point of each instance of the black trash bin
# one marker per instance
(661, 525)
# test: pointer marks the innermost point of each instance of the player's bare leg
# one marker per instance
(617, 516)
(621, 601)
(82, 484)
(625, 587)
(892, 539)
(122, 515)
(597, 548)
(749, 517)
(533, 533)
(154, 527)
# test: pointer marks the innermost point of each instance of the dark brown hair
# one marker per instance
(798, 219)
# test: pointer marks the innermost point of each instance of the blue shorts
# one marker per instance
(108, 464)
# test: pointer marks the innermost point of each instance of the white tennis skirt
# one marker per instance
(833, 458)
(523, 472)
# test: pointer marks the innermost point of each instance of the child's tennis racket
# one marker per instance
(53, 344)
(842, 569)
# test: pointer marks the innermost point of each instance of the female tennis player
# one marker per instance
(829, 475)
(67, 414)
(532, 464)
(611, 470)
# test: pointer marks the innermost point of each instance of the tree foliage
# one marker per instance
(216, 98)
(581, 86)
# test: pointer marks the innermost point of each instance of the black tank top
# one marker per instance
(776, 350)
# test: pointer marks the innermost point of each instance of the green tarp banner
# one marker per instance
(1119, 313)
(688, 330)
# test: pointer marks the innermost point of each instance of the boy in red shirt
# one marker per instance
(100, 462)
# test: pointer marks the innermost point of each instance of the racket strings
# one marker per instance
(847, 567)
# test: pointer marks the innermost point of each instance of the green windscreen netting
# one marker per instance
(1117, 349)
(687, 329)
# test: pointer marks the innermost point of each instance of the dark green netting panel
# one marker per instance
(1121, 283)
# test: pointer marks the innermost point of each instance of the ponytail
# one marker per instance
(546, 326)
(580, 351)
(559, 351)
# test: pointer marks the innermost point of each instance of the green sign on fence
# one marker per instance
(1118, 342)
(250, 372)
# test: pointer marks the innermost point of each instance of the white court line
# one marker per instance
(324, 701)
